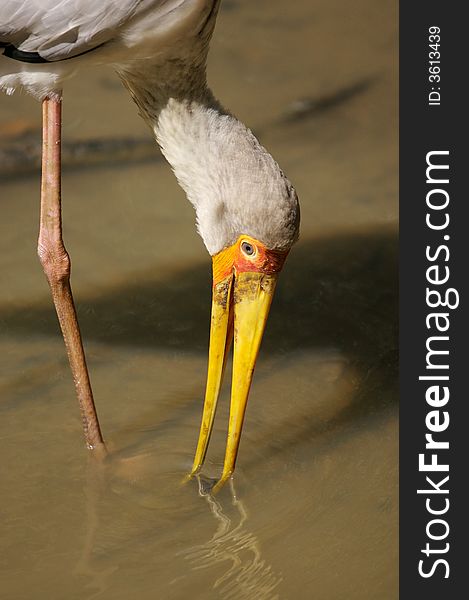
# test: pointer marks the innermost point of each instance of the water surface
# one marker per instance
(312, 511)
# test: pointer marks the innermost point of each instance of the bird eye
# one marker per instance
(248, 248)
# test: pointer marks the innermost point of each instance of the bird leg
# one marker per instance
(56, 264)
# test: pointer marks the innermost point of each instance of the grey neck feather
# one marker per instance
(234, 184)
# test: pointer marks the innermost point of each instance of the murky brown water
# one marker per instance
(313, 509)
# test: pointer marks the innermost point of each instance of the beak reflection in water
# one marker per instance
(244, 279)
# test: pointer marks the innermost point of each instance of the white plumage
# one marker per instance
(74, 33)
(234, 184)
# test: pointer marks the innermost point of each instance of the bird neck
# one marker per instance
(217, 160)
(153, 87)
(188, 122)
(174, 99)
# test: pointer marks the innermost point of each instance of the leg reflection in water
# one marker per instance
(97, 577)
(248, 576)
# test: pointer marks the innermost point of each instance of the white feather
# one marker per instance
(234, 184)
(65, 32)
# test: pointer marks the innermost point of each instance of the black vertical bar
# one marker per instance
(429, 123)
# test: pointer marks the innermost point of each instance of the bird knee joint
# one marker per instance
(55, 262)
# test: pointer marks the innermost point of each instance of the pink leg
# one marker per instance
(56, 264)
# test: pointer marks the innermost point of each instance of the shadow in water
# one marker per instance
(311, 107)
(337, 292)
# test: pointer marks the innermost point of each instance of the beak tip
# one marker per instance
(221, 482)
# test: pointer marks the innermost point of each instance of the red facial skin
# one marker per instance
(233, 259)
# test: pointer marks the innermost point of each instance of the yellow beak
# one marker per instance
(240, 307)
